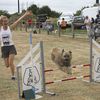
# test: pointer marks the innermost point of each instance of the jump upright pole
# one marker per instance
(43, 65)
(91, 54)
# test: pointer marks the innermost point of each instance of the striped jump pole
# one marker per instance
(67, 79)
(74, 66)
(84, 65)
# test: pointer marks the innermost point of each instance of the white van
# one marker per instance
(90, 12)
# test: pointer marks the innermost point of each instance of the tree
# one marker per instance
(48, 11)
(55, 14)
(34, 9)
(5, 13)
(78, 12)
(45, 10)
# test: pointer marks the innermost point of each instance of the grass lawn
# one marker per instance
(70, 90)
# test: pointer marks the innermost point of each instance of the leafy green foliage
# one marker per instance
(78, 12)
(34, 9)
(43, 10)
(5, 13)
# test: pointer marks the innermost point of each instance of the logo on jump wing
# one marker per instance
(29, 76)
(97, 65)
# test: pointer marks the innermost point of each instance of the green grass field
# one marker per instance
(69, 90)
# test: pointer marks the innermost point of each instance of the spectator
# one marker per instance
(23, 25)
(87, 22)
(30, 23)
(92, 22)
(97, 20)
(63, 24)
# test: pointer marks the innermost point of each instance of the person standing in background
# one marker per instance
(87, 22)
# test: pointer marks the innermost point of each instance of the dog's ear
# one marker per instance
(70, 53)
(63, 51)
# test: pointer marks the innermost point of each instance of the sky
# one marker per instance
(57, 5)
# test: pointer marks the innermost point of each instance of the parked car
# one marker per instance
(78, 22)
(67, 18)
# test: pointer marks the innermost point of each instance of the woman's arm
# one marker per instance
(27, 13)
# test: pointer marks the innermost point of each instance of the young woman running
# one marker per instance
(8, 49)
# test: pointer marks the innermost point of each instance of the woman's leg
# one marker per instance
(11, 63)
(6, 60)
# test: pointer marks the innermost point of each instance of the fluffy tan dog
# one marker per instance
(62, 59)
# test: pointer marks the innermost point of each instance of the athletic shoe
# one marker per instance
(13, 78)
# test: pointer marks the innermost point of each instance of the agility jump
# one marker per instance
(34, 62)
(39, 73)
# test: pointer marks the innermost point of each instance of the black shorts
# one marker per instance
(7, 50)
(64, 27)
